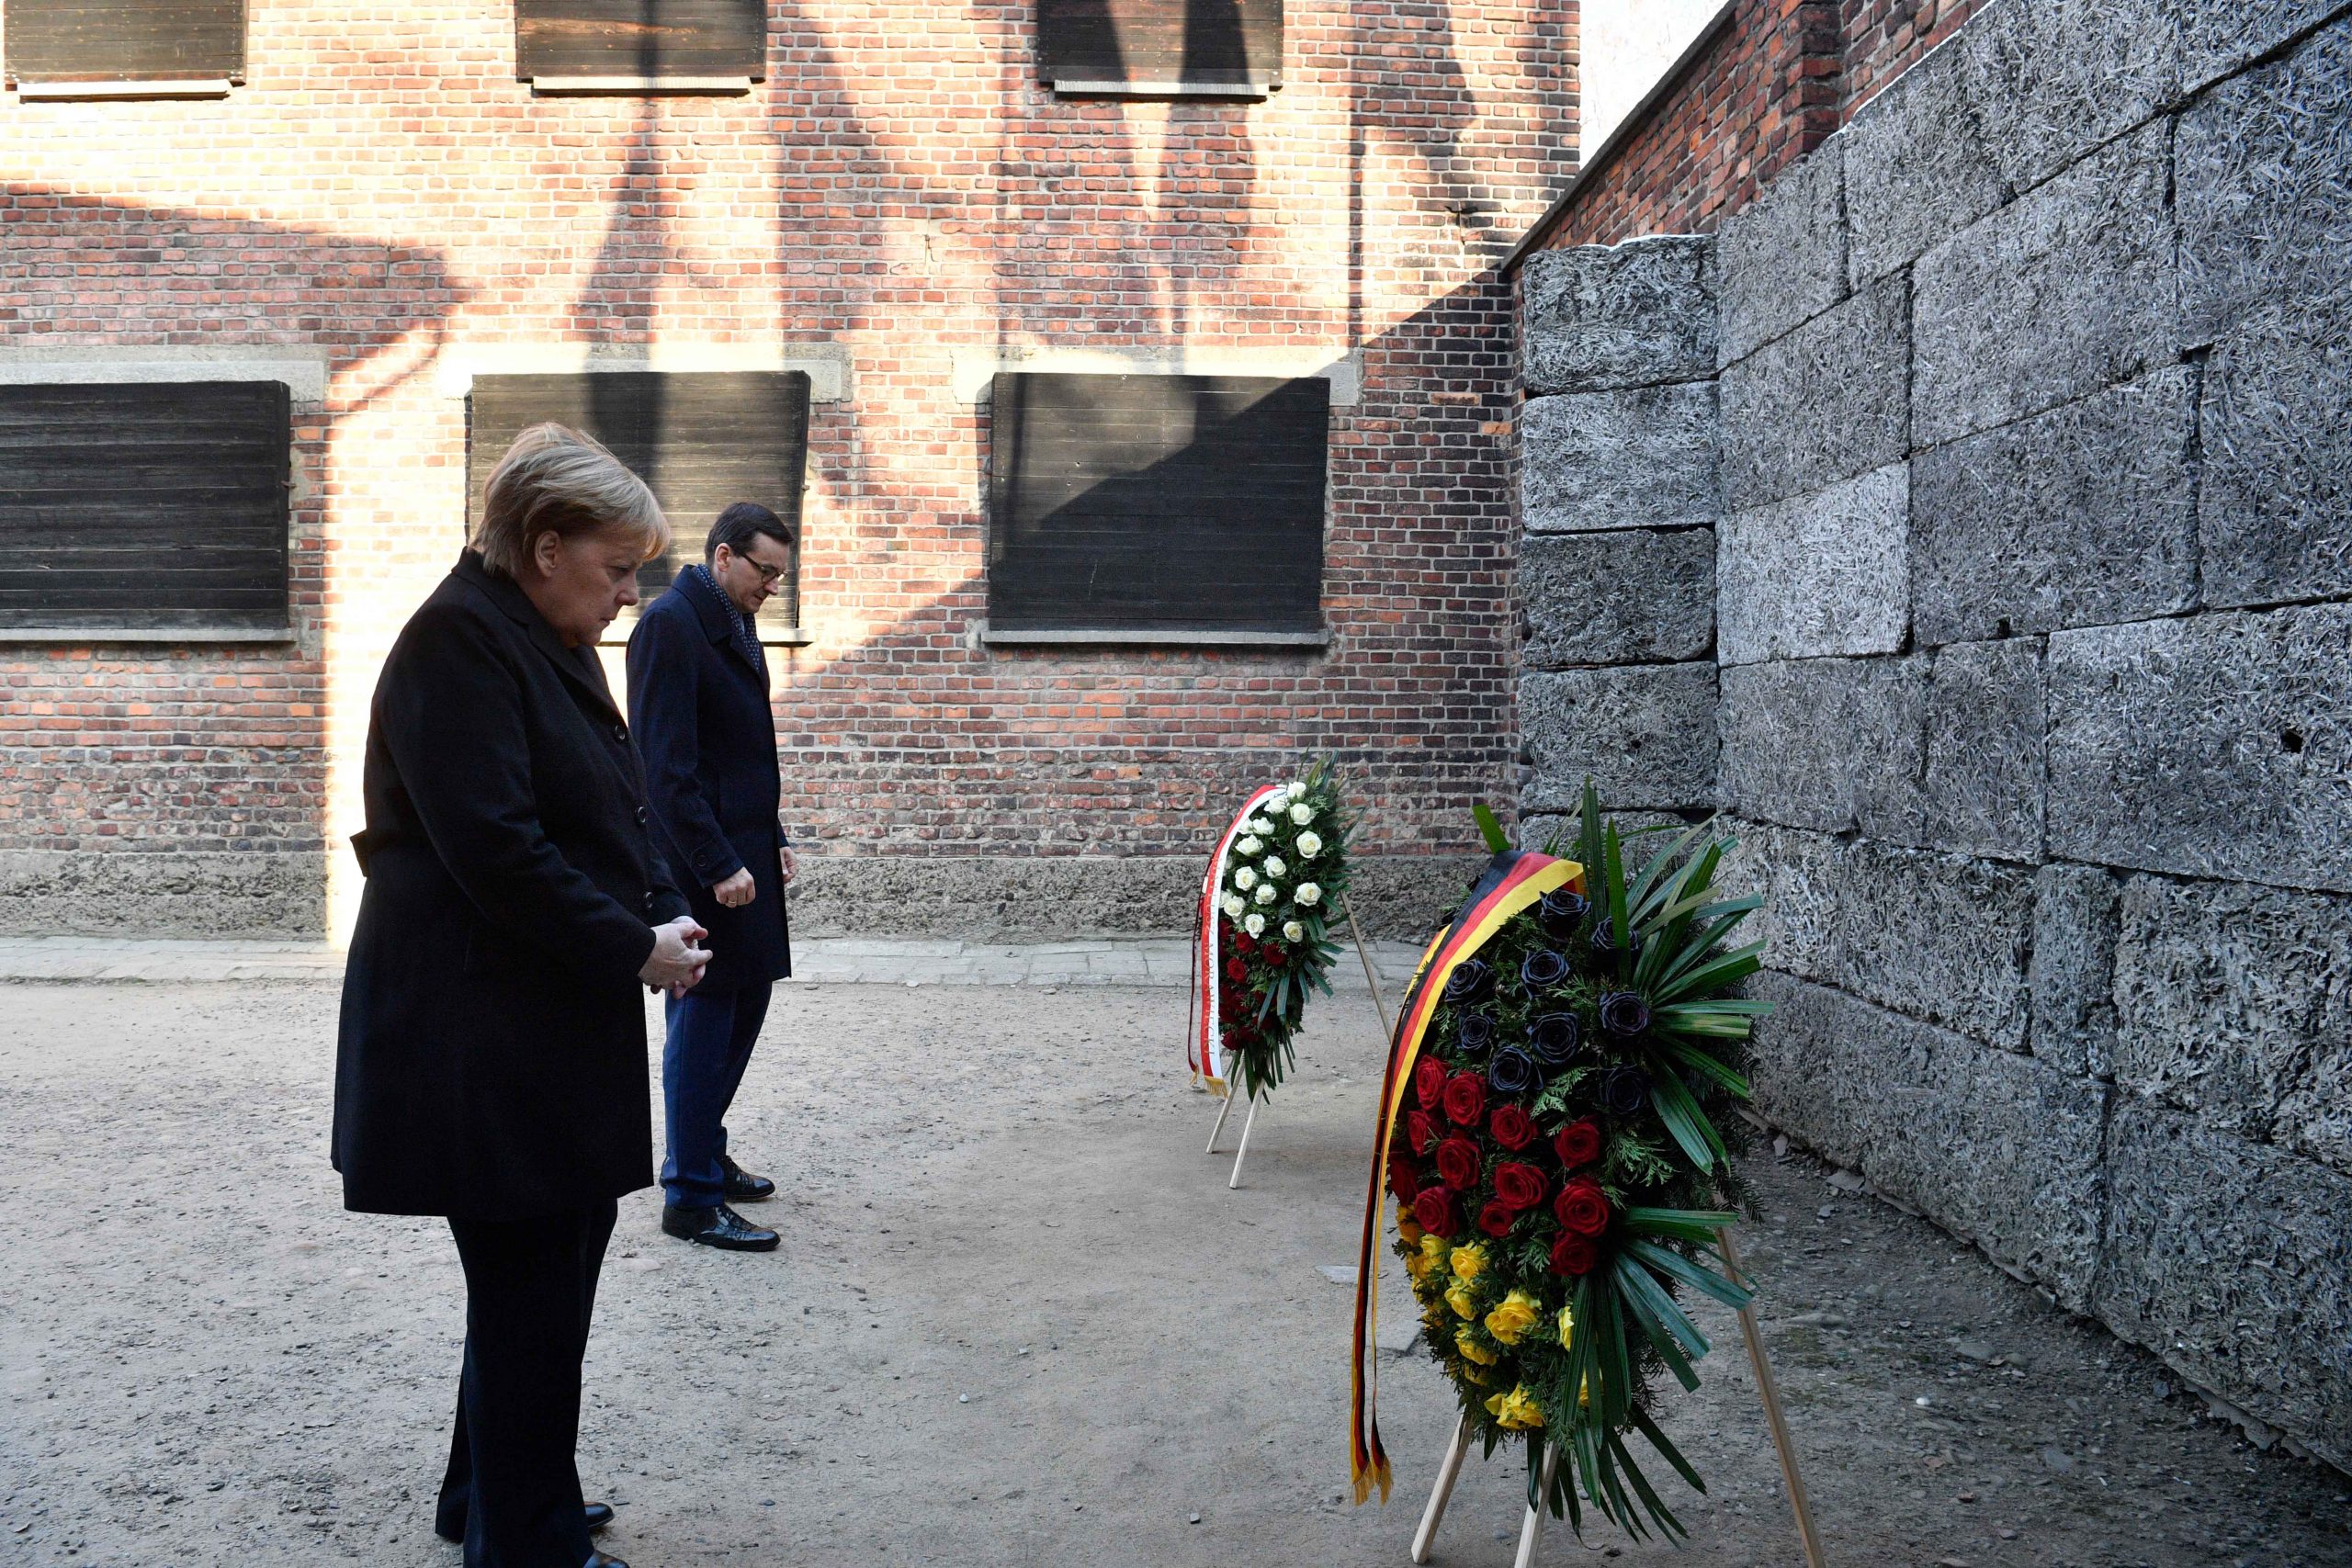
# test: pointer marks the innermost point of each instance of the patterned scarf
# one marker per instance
(745, 638)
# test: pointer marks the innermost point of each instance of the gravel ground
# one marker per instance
(1017, 1320)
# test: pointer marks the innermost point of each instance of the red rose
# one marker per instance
(1572, 1255)
(1465, 1099)
(1236, 971)
(1401, 1179)
(1495, 1217)
(1520, 1186)
(1578, 1144)
(1420, 1130)
(1512, 1127)
(1429, 1082)
(1245, 942)
(1434, 1212)
(1275, 955)
(1582, 1207)
(1457, 1162)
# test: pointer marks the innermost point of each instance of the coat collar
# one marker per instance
(713, 615)
(576, 665)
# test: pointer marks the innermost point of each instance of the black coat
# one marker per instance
(491, 1061)
(700, 699)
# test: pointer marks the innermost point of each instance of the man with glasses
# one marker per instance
(698, 696)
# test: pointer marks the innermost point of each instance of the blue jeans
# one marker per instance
(708, 1047)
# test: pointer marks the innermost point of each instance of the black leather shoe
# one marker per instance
(717, 1225)
(742, 1187)
(599, 1516)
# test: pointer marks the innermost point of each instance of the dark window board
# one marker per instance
(1047, 636)
(191, 43)
(640, 39)
(701, 440)
(1155, 504)
(145, 506)
(1160, 48)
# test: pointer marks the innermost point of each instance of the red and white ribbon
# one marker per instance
(1205, 1048)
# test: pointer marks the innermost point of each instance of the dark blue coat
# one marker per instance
(699, 701)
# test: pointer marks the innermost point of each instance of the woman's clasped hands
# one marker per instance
(676, 963)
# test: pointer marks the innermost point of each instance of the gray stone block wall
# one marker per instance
(2028, 687)
(254, 892)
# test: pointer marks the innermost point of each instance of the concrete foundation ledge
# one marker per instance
(163, 892)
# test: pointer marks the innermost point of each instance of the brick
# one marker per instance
(2232, 1261)
(2076, 918)
(1645, 735)
(2210, 746)
(1829, 400)
(2055, 79)
(1943, 937)
(1629, 315)
(2067, 291)
(1996, 1147)
(2277, 492)
(1619, 459)
(2235, 1004)
(1642, 596)
(1830, 744)
(2221, 36)
(1780, 260)
(1825, 573)
(1917, 167)
(2082, 515)
(1981, 786)
(1803, 877)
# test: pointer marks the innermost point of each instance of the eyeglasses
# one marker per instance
(770, 575)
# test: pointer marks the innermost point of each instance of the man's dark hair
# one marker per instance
(740, 524)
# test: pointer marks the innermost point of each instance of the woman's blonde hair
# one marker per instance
(556, 481)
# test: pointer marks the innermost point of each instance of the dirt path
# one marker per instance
(1017, 1320)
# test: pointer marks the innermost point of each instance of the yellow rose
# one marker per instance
(1459, 1299)
(1469, 1260)
(1433, 1250)
(1473, 1350)
(1568, 1330)
(1513, 1316)
(1514, 1412)
(1407, 1230)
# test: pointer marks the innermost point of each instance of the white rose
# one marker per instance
(1244, 878)
(1302, 813)
(1291, 931)
(1309, 846)
(1308, 893)
(1274, 866)
(1265, 894)
(1259, 825)
(1296, 789)
(1234, 905)
(1250, 846)
(1255, 925)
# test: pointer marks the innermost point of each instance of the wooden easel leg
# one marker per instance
(1242, 1151)
(1769, 1391)
(1531, 1530)
(1222, 1113)
(1442, 1492)
(1363, 953)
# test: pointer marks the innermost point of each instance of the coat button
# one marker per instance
(649, 903)
(620, 733)
(643, 816)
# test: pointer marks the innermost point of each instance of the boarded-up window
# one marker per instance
(1159, 45)
(702, 441)
(640, 38)
(1156, 503)
(144, 506)
(125, 41)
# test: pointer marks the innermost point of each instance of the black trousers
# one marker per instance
(512, 1489)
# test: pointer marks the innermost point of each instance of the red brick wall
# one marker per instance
(1779, 81)
(901, 189)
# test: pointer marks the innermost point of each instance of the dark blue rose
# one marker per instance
(1561, 912)
(1625, 1014)
(1554, 1038)
(1511, 1071)
(1476, 1032)
(1625, 1090)
(1543, 970)
(1470, 980)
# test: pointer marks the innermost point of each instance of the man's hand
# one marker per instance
(791, 864)
(676, 963)
(736, 891)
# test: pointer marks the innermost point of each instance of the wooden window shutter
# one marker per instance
(702, 440)
(645, 38)
(1156, 503)
(1159, 45)
(145, 505)
(125, 41)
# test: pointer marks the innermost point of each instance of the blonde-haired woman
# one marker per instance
(491, 1063)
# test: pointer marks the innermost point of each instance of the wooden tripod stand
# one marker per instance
(1531, 1528)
